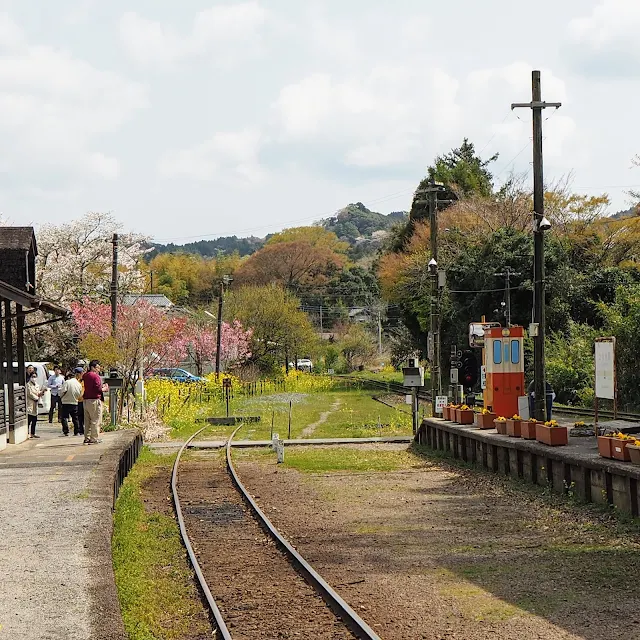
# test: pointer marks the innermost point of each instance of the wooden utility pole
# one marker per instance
(537, 106)
(225, 280)
(114, 285)
(507, 275)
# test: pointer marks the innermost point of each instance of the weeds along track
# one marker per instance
(256, 585)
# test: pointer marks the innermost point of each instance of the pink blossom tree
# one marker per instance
(199, 341)
(145, 336)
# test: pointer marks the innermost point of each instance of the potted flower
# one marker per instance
(605, 446)
(552, 433)
(513, 426)
(446, 411)
(633, 448)
(619, 446)
(501, 425)
(485, 418)
(528, 429)
(464, 415)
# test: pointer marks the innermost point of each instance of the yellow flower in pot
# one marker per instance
(551, 423)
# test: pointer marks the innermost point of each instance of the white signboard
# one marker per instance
(483, 377)
(441, 402)
(605, 369)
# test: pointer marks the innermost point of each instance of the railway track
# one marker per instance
(263, 587)
(397, 388)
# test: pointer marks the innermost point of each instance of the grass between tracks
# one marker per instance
(157, 593)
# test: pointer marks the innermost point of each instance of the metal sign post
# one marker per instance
(606, 382)
(226, 385)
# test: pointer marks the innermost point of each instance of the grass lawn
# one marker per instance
(335, 458)
(157, 593)
(338, 414)
(326, 414)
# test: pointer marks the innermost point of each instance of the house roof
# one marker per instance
(29, 301)
(154, 299)
(18, 238)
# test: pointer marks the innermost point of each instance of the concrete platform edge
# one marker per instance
(562, 469)
(115, 463)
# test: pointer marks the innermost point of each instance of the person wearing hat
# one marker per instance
(79, 373)
(70, 394)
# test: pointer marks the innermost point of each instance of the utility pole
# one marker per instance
(225, 280)
(507, 275)
(114, 285)
(540, 224)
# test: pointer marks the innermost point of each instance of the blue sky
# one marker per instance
(203, 118)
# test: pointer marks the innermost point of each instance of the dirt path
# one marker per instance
(440, 553)
(258, 592)
(307, 432)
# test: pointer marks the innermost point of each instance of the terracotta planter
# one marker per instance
(553, 436)
(466, 416)
(501, 427)
(528, 430)
(604, 446)
(445, 413)
(619, 449)
(513, 428)
(634, 453)
(485, 420)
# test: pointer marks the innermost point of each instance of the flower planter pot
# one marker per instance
(619, 449)
(445, 413)
(485, 420)
(513, 428)
(528, 430)
(553, 436)
(604, 446)
(634, 453)
(465, 417)
(501, 427)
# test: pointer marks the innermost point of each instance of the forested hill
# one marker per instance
(212, 248)
(356, 221)
(354, 224)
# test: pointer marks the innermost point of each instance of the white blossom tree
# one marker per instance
(74, 259)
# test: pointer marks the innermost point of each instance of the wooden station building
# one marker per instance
(19, 305)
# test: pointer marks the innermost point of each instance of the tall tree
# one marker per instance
(279, 329)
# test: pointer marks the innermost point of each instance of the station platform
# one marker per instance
(55, 552)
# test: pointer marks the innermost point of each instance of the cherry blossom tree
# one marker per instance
(200, 343)
(145, 336)
(74, 259)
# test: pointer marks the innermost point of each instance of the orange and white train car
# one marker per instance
(504, 366)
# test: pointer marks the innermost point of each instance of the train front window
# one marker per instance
(515, 351)
(497, 351)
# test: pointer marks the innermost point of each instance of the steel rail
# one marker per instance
(350, 618)
(222, 627)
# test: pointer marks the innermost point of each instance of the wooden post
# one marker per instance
(20, 346)
(8, 338)
(290, 407)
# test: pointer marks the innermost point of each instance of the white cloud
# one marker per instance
(380, 119)
(607, 41)
(224, 30)
(226, 156)
(54, 106)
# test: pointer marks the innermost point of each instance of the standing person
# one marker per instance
(79, 374)
(93, 399)
(69, 394)
(34, 393)
(54, 383)
(29, 370)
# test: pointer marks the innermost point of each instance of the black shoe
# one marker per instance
(35, 436)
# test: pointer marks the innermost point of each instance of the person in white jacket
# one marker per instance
(34, 393)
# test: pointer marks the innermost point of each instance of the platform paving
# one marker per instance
(55, 549)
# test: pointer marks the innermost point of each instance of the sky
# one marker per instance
(203, 118)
